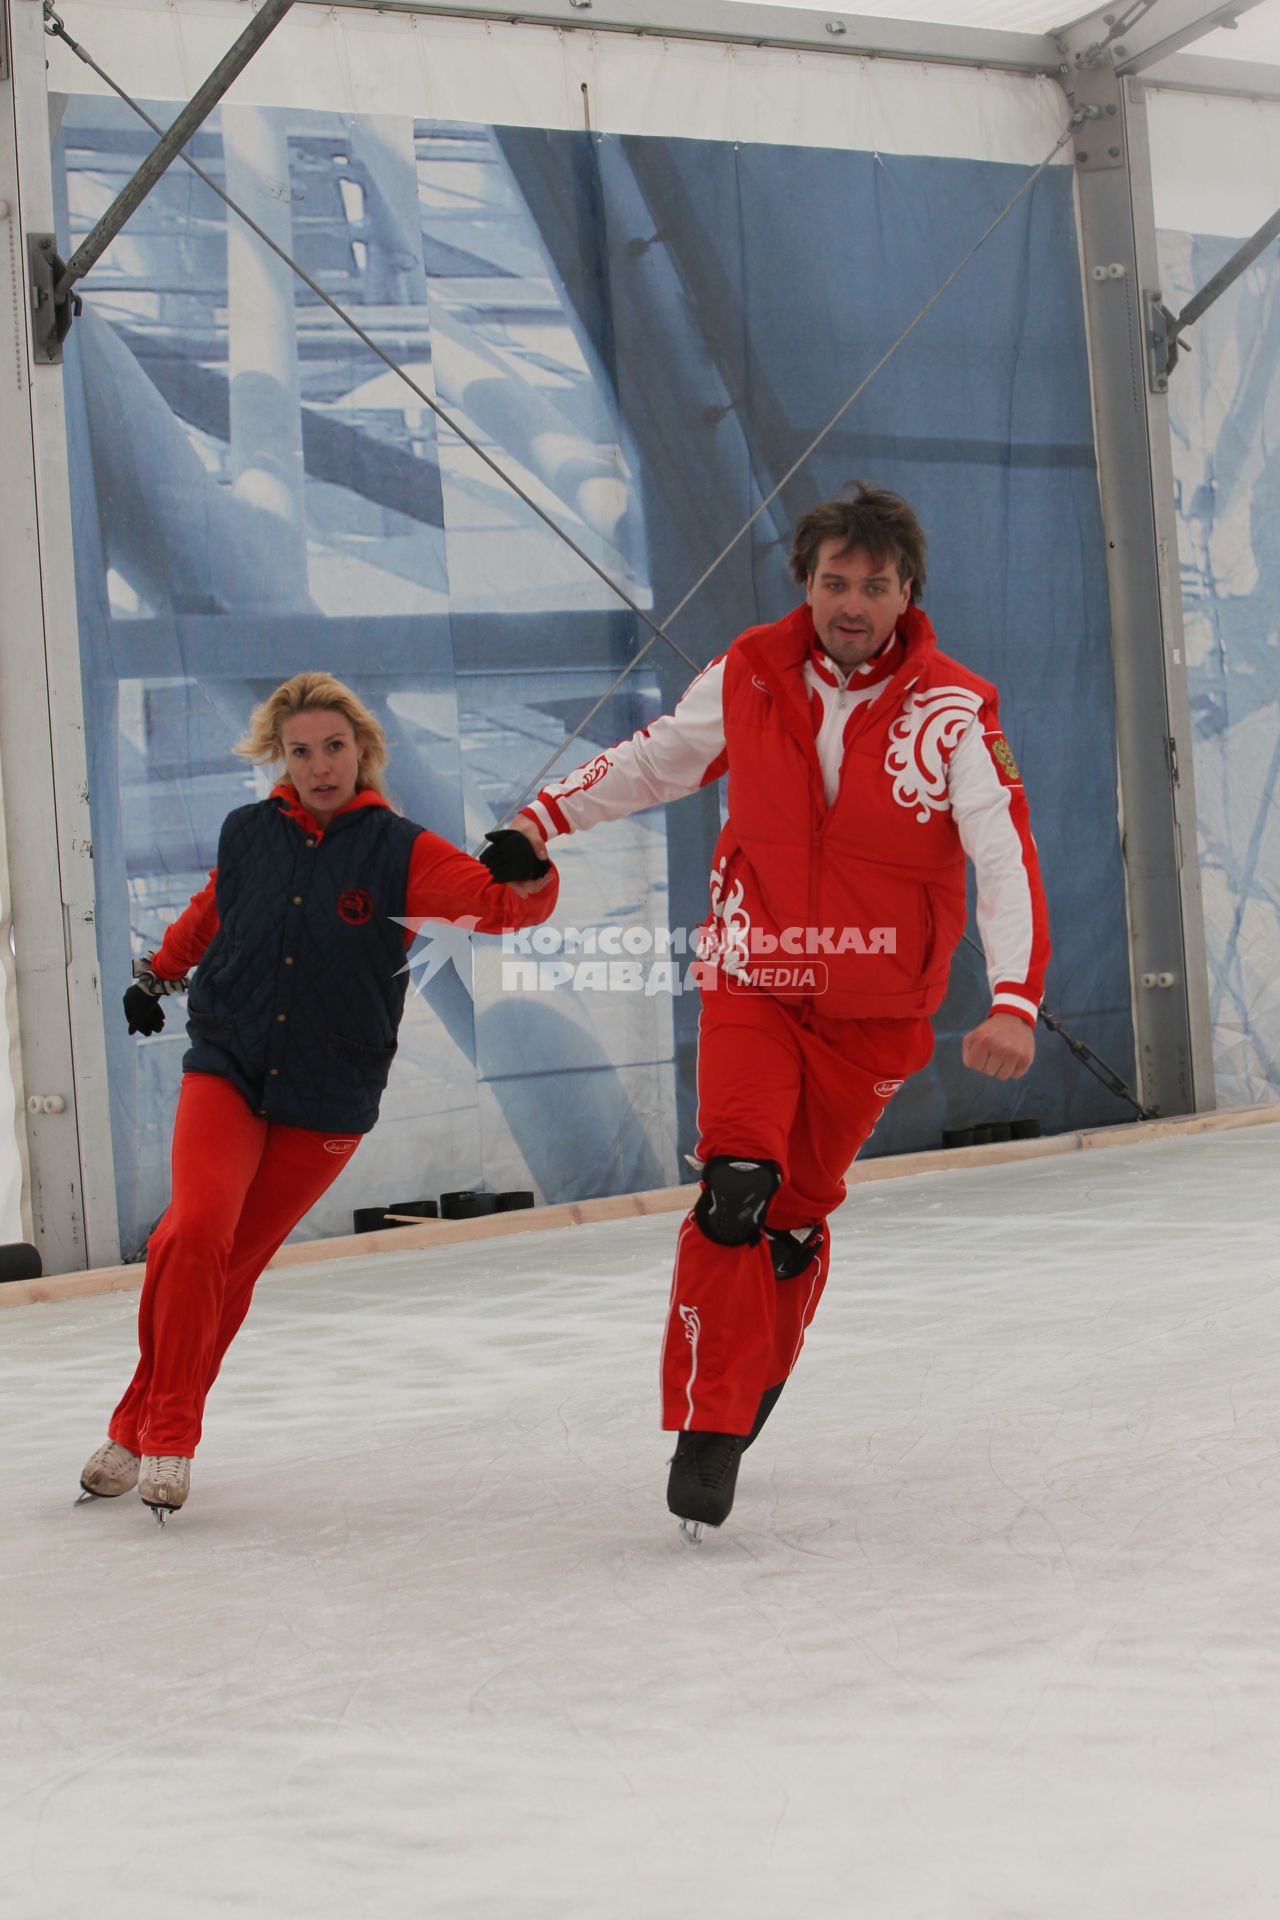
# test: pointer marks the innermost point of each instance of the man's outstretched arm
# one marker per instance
(679, 753)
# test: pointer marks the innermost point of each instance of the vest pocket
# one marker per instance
(356, 1054)
(220, 1033)
(355, 1080)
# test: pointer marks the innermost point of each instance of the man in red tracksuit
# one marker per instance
(864, 765)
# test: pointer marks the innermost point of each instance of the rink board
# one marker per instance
(991, 1631)
(442, 1233)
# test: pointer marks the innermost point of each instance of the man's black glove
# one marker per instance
(143, 1011)
(142, 1002)
(511, 856)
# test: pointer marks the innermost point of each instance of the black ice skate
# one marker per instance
(704, 1475)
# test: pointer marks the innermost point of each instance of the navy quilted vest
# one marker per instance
(298, 999)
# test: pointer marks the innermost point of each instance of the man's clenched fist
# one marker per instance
(1002, 1046)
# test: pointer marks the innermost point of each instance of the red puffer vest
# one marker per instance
(869, 894)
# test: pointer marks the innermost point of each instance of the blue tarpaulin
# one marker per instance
(648, 331)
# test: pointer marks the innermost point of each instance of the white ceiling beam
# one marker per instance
(829, 31)
(868, 36)
(1197, 73)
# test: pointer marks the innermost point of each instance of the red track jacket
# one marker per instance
(853, 802)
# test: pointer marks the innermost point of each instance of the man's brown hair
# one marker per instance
(868, 517)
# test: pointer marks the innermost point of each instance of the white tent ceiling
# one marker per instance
(1257, 37)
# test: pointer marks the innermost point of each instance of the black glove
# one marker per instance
(511, 856)
(143, 1011)
(142, 1002)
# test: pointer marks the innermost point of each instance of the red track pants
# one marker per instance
(240, 1186)
(775, 1082)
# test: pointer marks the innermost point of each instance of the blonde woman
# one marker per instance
(293, 1018)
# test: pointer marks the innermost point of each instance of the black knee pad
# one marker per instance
(735, 1194)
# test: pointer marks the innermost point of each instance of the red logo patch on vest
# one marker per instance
(355, 906)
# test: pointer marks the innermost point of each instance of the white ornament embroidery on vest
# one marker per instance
(921, 742)
(730, 943)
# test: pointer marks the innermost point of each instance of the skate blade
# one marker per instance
(85, 1493)
(160, 1514)
(692, 1531)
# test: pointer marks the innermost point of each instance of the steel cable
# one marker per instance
(658, 630)
(55, 28)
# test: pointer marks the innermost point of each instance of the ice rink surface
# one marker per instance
(992, 1634)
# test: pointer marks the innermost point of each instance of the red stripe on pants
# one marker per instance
(240, 1186)
(775, 1082)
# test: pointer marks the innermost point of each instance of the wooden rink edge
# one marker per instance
(629, 1206)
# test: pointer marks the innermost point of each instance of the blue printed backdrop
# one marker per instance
(647, 332)
(1224, 407)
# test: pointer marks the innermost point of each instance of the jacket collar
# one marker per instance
(782, 648)
(881, 666)
(777, 656)
(291, 806)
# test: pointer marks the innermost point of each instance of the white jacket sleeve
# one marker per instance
(990, 811)
(679, 753)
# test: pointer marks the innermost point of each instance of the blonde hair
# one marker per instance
(317, 693)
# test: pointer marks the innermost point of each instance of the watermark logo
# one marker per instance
(727, 953)
(439, 944)
(785, 979)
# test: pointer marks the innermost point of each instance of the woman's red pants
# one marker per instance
(240, 1186)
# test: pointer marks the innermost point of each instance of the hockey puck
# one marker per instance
(372, 1219)
(420, 1209)
(509, 1202)
(467, 1206)
(1025, 1129)
(19, 1261)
